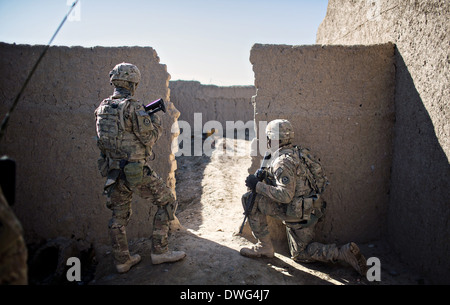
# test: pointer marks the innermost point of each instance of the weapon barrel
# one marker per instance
(249, 206)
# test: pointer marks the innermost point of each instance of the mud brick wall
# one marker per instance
(419, 208)
(340, 101)
(52, 137)
(216, 103)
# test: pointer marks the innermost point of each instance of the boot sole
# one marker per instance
(362, 263)
(157, 261)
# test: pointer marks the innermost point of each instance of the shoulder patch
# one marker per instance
(278, 172)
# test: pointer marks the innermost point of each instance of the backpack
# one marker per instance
(109, 115)
(313, 170)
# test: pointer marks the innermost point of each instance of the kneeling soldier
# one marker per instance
(290, 191)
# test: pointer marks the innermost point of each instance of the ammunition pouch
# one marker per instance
(295, 208)
(305, 208)
(302, 223)
(134, 173)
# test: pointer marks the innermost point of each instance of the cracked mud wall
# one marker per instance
(52, 137)
(340, 101)
(419, 209)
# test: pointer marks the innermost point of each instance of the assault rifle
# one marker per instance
(261, 175)
(155, 106)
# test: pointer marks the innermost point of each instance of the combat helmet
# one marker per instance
(125, 72)
(280, 130)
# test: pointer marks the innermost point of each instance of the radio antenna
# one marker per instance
(16, 100)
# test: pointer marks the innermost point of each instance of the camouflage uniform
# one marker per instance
(149, 186)
(126, 134)
(286, 194)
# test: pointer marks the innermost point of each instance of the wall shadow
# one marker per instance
(189, 175)
(419, 209)
(207, 263)
(189, 188)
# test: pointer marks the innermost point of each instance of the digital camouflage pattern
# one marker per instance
(126, 134)
(284, 198)
(125, 72)
(288, 198)
(125, 131)
(280, 130)
(289, 180)
(288, 195)
(153, 189)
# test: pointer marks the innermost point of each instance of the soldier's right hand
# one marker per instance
(260, 174)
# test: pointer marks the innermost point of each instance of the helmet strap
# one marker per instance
(120, 91)
(132, 88)
(275, 145)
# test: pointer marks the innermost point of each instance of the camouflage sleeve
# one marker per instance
(283, 191)
(146, 128)
(156, 120)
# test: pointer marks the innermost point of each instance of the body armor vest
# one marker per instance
(114, 138)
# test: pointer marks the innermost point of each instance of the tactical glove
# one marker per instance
(251, 182)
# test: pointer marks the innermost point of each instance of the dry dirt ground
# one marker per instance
(209, 191)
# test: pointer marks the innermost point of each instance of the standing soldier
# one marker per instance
(290, 192)
(126, 134)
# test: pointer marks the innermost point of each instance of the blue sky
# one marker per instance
(204, 40)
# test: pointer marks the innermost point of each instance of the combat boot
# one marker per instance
(350, 254)
(167, 257)
(122, 258)
(125, 267)
(263, 248)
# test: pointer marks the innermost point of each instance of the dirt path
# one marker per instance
(209, 191)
